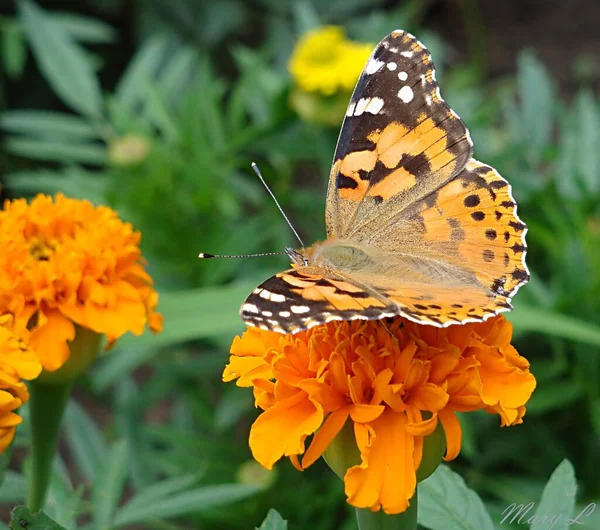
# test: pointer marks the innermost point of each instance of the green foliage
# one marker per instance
(154, 439)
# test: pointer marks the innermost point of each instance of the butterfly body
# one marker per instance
(415, 226)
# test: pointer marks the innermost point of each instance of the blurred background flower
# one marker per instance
(68, 264)
(206, 86)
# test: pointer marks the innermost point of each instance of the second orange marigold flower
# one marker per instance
(394, 382)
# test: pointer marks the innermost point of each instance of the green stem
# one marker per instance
(368, 520)
(46, 407)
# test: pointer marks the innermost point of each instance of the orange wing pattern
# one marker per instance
(298, 299)
(415, 226)
(399, 140)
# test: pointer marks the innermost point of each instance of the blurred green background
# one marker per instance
(157, 108)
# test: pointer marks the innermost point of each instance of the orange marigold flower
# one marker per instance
(393, 381)
(16, 362)
(68, 263)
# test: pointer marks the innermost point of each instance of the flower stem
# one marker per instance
(46, 407)
(368, 520)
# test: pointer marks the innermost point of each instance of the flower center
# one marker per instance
(41, 249)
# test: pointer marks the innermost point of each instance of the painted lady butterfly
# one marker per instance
(415, 226)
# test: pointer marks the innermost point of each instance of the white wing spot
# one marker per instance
(374, 65)
(374, 105)
(250, 308)
(284, 314)
(392, 66)
(267, 313)
(403, 76)
(407, 54)
(361, 105)
(406, 94)
(351, 107)
(299, 309)
(394, 50)
(273, 297)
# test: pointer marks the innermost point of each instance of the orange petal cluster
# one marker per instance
(395, 381)
(16, 362)
(68, 263)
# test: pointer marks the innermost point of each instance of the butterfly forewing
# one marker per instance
(399, 140)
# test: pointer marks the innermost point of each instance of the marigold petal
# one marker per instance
(453, 433)
(282, 429)
(323, 437)
(49, 340)
(361, 413)
(429, 397)
(386, 478)
(246, 370)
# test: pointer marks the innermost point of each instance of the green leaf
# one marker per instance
(108, 485)
(94, 154)
(84, 29)
(14, 51)
(13, 488)
(273, 521)
(527, 318)
(143, 66)
(85, 441)
(74, 182)
(554, 395)
(558, 500)
(63, 503)
(588, 158)
(193, 501)
(47, 124)
(23, 519)
(62, 62)
(161, 490)
(446, 502)
(535, 90)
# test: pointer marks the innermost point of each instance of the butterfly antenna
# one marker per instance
(206, 255)
(258, 173)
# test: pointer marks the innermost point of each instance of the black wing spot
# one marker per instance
(478, 216)
(491, 234)
(488, 255)
(471, 201)
(344, 182)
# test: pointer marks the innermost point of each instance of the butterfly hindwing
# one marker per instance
(399, 140)
(304, 297)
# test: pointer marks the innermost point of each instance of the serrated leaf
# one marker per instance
(446, 502)
(558, 500)
(47, 124)
(94, 154)
(22, 519)
(273, 521)
(62, 62)
(108, 485)
(192, 501)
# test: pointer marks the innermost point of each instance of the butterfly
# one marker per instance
(415, 226)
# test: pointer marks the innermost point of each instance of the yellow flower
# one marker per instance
(394, 382)
(16, 362)
(67, 263)
(325, 61)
